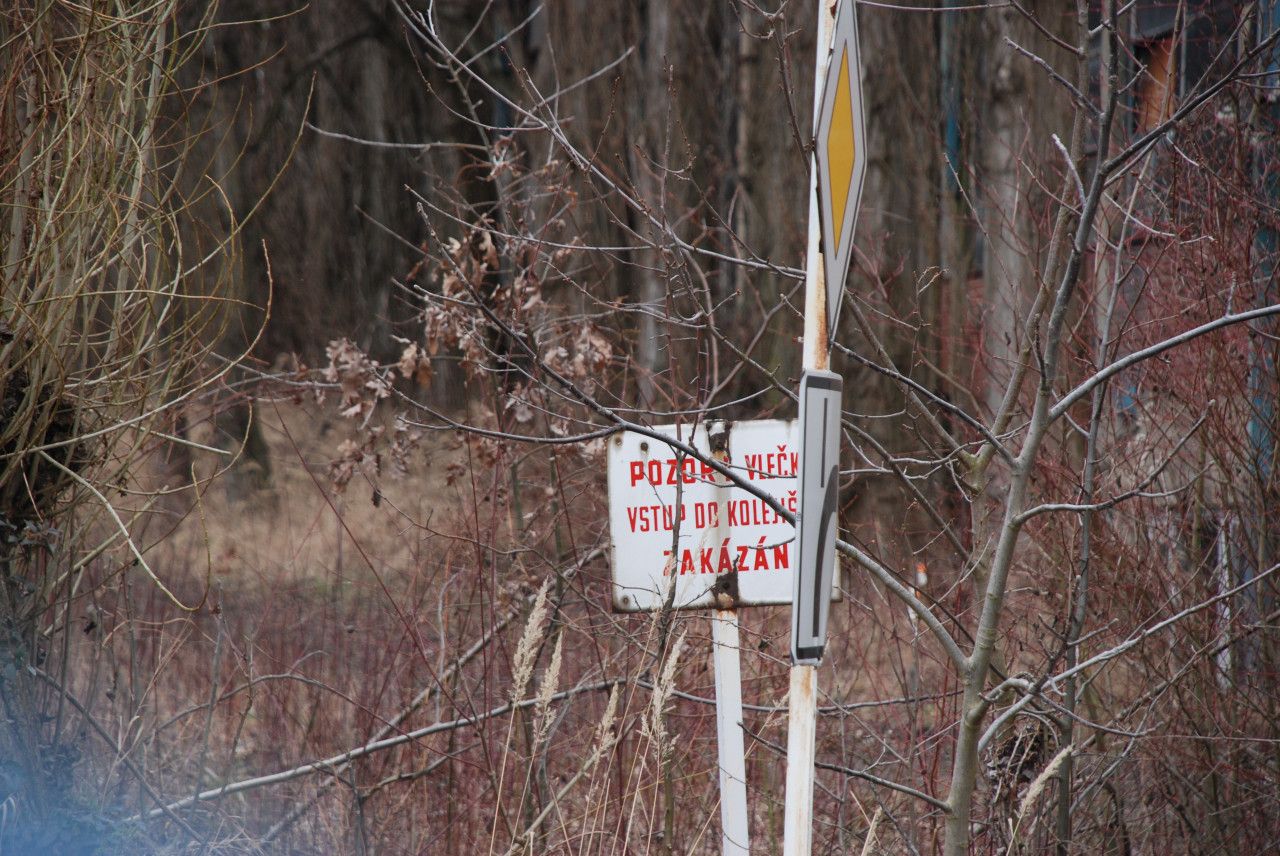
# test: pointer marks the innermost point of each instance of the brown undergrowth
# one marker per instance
(331, 619)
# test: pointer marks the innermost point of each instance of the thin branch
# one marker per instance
(1076, 95)
(856, 774)
(334, 762)
(381, 144)
(1154, 351)
(1123, 648)
(915, 387)
(1137, 491)
(163, 809)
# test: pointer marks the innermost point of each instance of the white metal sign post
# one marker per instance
(734, 833)
(835, 190)
(735, 836)
(731, 549)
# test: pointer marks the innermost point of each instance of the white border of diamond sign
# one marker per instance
(722, 529)
(838, 248)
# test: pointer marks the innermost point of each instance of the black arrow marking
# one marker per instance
(824, 523)
(822, 468)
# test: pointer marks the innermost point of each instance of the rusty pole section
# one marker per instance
(802, 699)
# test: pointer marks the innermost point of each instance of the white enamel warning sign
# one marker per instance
(730, 547)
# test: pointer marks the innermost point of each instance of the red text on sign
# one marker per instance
(727, 557)
(777, 464)
(661, 518)
(658, 471)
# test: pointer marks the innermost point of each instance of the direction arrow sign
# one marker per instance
(819, 492)
(841, 154)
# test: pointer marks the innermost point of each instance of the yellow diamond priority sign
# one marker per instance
(841, 154)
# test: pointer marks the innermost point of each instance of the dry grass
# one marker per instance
(329, 615)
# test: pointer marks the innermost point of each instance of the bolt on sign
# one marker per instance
(841, 154)
(675, 521)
